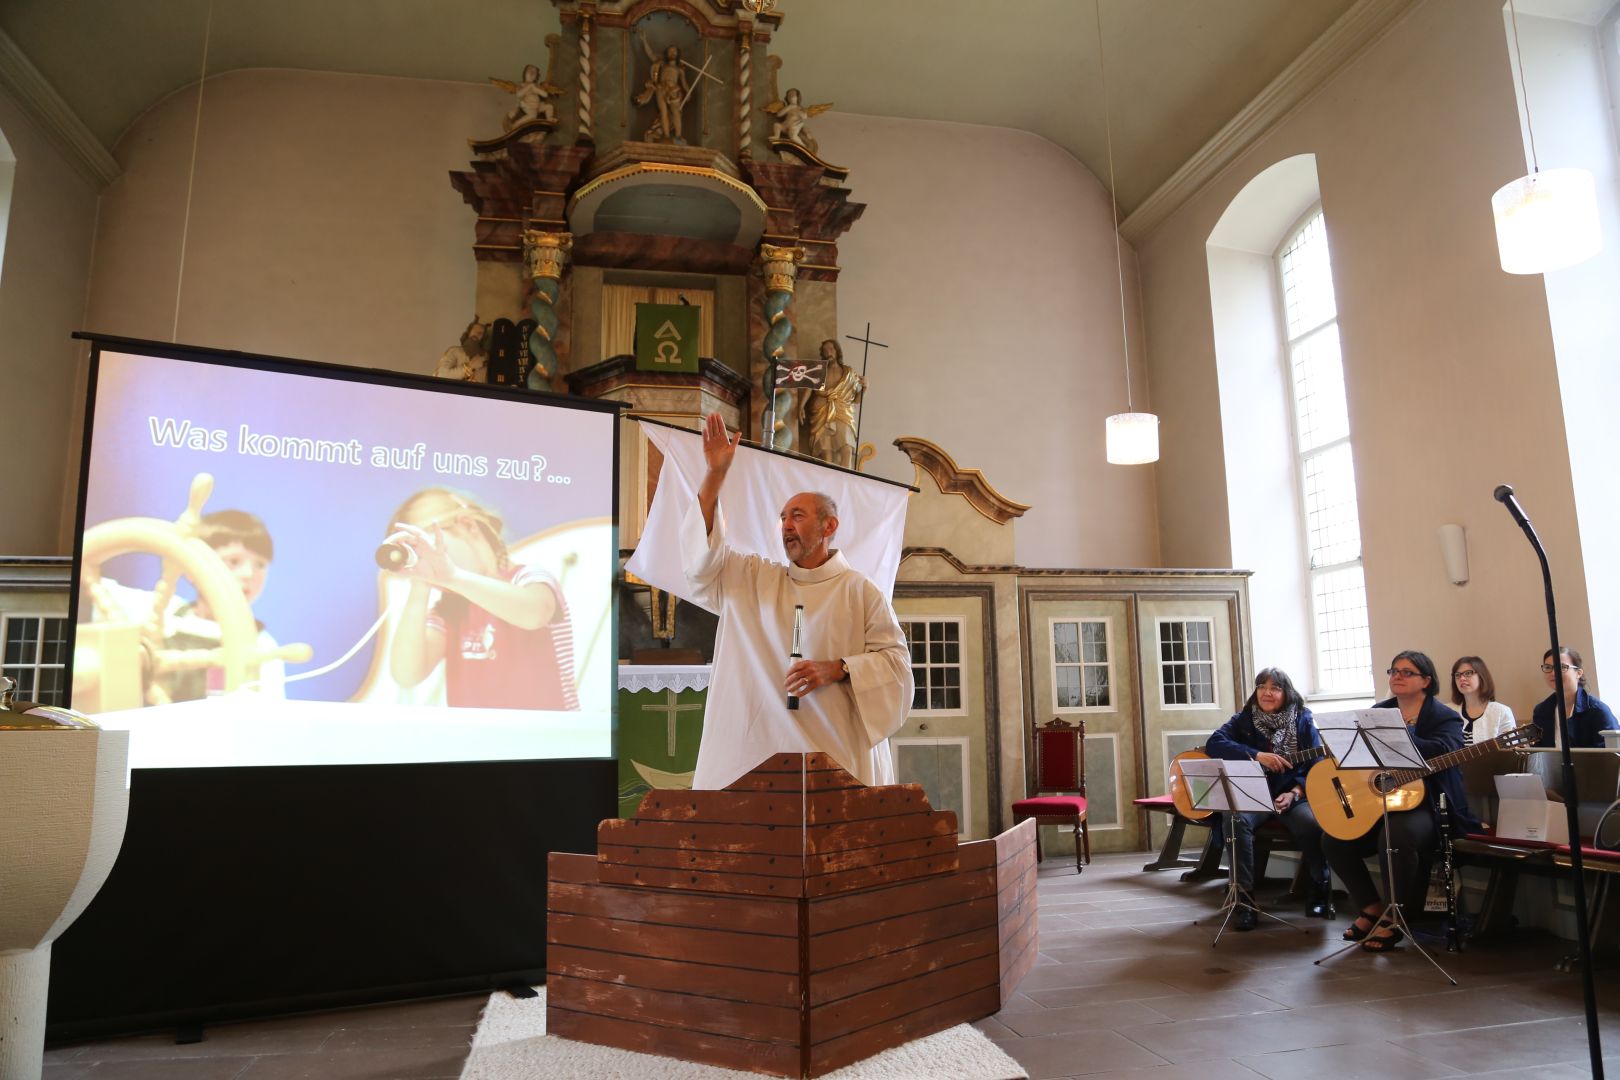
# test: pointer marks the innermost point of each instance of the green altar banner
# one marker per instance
(667, 337)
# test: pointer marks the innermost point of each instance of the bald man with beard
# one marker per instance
(854, 684)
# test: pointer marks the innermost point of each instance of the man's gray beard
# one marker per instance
(472, 346)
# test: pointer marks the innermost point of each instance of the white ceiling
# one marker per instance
(1178, 70)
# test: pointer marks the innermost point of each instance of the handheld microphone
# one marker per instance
(395, 556)
(798, 648)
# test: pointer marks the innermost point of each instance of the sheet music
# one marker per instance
(1369, 739)
(1245, 789)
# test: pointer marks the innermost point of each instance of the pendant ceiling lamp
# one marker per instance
(1547, 220)
(1132, 437)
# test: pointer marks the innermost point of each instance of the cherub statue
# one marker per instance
(667, 86)
(789, 117)
(531, 95)
(466, 360)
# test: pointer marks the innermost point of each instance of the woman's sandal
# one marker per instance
(1355, 931)
(1383, 942)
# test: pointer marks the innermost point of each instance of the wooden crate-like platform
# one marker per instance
(791, 924)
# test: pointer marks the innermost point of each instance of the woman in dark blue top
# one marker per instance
(1588, 717)
(1274, 726)
(1413, 834)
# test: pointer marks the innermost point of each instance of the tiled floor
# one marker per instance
(1125, 987)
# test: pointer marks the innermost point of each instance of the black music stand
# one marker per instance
(1231, 787)
(1377, 741)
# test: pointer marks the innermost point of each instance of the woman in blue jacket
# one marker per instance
(1414, 833)
(1588, 717)
(1272, 729)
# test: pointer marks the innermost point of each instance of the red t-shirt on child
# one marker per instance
(491, 664)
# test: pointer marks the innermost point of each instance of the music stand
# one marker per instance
(1378, 740)
(1232, 787)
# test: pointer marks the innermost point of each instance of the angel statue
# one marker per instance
(531, 94)
(790, 117)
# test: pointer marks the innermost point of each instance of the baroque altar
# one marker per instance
(661, 159)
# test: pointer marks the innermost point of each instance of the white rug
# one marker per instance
(511, 1044)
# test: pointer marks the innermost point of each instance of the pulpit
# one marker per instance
(790, 924)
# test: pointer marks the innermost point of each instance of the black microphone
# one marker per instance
(1504, 495)
(395, 556)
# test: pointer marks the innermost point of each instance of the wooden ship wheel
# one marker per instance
(121, 657)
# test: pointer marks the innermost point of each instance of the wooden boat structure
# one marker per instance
(791, 924)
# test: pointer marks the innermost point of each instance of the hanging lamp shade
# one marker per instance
(1133, 438)
(1547, 221)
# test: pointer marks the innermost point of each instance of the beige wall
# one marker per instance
(42, 280)
(322, 222)
(986, 261)
(1449, 364)
(323, 226)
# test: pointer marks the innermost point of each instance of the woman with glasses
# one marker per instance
(1588, 717)
(1274, 729)
(1473, 691)
(1413, 834)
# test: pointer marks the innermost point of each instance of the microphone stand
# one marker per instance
(1504, 495)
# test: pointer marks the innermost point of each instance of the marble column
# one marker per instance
(779, 421)
(546, 254)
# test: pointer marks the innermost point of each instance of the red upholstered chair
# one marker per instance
(1060, 785)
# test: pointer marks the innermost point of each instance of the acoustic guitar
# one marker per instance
(1178, 783)
(1349, 802)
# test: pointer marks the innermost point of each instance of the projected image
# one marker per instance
(284, 568)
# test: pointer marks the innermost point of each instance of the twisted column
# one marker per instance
(546, 254)
(779, 420)
(745, 90)
(585, 78)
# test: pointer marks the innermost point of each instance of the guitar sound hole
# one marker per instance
(1384, 783)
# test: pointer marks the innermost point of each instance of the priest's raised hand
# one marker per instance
(719, 450)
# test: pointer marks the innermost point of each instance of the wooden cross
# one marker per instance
(866, 350)
(671, 711)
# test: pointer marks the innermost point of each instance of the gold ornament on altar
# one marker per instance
(547, 252)
(779, 263)
(759, 7)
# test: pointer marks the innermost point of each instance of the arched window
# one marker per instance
(1324, 463)
(1285, 433)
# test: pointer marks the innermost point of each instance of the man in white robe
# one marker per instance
(854, 683)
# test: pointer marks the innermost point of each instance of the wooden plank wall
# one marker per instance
(1016, 905)
(701, 977)
(886, 965)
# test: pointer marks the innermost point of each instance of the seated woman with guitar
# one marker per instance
(1275, 729)
(1414, 832)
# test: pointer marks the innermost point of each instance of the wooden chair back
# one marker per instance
(1060, 757)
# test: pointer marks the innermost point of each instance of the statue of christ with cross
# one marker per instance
(833, 411)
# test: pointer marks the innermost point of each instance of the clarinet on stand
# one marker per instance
(798, 647)
(1449, 870)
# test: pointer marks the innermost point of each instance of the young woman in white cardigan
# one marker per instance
(1474, 693)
